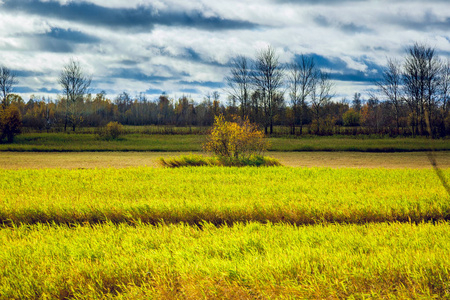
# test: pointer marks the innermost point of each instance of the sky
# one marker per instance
(183, 47)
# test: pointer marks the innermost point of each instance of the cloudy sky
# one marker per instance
(184, 46)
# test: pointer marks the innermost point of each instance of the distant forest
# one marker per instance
(412, 99)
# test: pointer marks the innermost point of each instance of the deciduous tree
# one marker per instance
(239, 82)
(75, 85)
(421, 82)
(10, 122)
(7, 82)
(390, 85)
(267, 76)
(321, 94)
(301, 76)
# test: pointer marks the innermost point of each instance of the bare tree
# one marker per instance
(391, 86)
(7, 82)
(321, 94)
(357, 102)
(75, 85)
(444, 91)
(445, 86)
(421, 82)
(268, 77)
(239, 82)
(301, 76)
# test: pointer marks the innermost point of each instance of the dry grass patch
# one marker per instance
(415, 160)
(74, 160)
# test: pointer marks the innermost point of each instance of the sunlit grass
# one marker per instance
(222, 195)
(246, 261)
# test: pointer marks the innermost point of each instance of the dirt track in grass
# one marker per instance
(19, 160)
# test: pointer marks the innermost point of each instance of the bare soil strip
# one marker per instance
(74, 160)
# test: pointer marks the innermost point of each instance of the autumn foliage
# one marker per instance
(10, 122)
(236, 139)
(114, 129)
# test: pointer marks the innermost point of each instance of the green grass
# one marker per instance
(246, 261)
(55, 142)
(222, 195)
(360, 143)
(192, 143)
(193, 160)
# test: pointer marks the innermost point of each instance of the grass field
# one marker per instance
(222, 195)
(246, 261)
(57, 142)
(373, 224)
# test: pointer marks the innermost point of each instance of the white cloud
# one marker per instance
(350, 30)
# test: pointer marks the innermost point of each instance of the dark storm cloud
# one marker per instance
(49, 91)
(139, 18)
(194, 56)
(340, 70)
(129, 62)
(51, 45)
(324, 62)
(23, 73)
(154, 91)
(338, 2)
(209, 84)
(329, 2)
(71, 35)
(137, 74)
(353, 76)
(23, 89)
(190, 91)
(350, 28)
(428, 22)
(60, 40)
(353, 28)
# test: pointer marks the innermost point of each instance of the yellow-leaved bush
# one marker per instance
(10, 122)
(112, 131)
(236, 139)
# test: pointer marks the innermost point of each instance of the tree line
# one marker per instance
(412, 98)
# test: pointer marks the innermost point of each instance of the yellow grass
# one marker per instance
(246, 261)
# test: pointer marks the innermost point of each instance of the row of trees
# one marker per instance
(412, 98)
(259, 87)
(413, 95)
(421, 83)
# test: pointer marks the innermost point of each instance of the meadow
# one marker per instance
(244, 261)
(86, 218)
(221, 195)
(79, 142)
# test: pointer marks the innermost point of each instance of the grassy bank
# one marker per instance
(222, 195)
(251, 261)
(60, 142)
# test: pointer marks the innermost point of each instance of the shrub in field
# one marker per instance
(252, 160)
(237, 139)
(112, 131)
(351, 118)
(193, 160)
(185, 161)
(10, 122)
